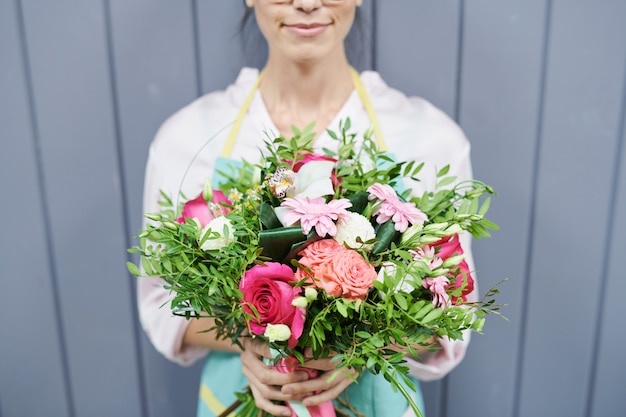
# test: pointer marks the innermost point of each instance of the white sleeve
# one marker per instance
(164, 329)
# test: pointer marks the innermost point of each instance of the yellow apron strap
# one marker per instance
(358, 86)
(234, 130)
(369, 109)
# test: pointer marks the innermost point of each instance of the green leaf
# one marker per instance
(341, 308)
(132, 268)
(268, 216)
(377, 341)
(401, 300)
(489, 224)
(446, 181)
(385, 235)
(423, 311)
(433, 315)
(277, 243)
(359, 202)
(485, 206)
(443, 171)
(147, 266)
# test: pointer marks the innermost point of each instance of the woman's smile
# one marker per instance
(306, 30)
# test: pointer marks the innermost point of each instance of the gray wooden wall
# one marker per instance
(538, 85)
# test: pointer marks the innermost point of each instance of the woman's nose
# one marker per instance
(307, 5)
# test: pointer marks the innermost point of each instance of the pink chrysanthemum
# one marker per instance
(315, 212)
(437, 287)
(401, 213)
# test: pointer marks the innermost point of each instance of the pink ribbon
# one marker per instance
(290, 364)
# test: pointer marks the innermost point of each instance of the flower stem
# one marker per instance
(403, 390)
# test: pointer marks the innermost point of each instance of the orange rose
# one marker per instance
(339, 271)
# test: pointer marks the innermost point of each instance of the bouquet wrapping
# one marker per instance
(329, 253)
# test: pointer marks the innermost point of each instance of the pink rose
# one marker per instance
(199, 209)
(447, 247)
(268, 289)
(317, 253)
(339, 271)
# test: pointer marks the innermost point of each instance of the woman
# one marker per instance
(307, 78)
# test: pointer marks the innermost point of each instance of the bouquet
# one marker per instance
(327, 252)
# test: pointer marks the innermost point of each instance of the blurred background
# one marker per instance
(539, 86)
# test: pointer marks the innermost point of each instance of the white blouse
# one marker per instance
(186, 146)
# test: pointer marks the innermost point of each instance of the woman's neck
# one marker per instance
(296, 94)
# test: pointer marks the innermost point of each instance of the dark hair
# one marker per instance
(255, 47)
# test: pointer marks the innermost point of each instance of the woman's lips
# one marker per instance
(306, 30)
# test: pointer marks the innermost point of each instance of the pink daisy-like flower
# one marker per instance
(315, 212)
(401, 213)
(426, 253)
(437, 287)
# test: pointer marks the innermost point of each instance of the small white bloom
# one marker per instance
(310, 293)
(218, 240)
(234, 195)
(277, 332)
(301, 302)
(352, 227)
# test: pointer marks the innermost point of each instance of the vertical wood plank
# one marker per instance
(154, 65)
(417, 48)
(579, 135)
(360, 42)
(155, 75)
(607, 394)
(68, 52)
(501, 83)
(221, 49)
(30, 350)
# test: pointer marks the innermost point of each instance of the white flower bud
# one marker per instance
(310, 293)
(277, 332)
(300, 302)
(411, 231)
(207, 190)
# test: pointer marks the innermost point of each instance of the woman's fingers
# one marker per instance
(265, 382)
(257, 347)
(265, 404)
(329, 394)
(253, 364)
(328, 385)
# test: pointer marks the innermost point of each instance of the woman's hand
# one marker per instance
(327, 386)
(265, 382)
